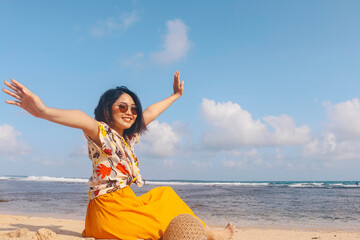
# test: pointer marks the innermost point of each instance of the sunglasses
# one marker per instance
(123, 107)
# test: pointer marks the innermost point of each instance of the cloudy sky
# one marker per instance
(271, 87)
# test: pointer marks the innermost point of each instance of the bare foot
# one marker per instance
(224, 234)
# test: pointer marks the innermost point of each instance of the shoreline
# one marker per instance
(244, 225)
(23, 227)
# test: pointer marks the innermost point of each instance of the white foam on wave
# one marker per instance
(306, 185)
(322, 185)
(205, 183)
(344, 185)
(53, 179)
(4, 178)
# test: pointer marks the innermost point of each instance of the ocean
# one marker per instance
(307, 204)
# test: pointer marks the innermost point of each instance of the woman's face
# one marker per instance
(122, 121)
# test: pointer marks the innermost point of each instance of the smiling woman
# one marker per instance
(121, 104)
(119, 121)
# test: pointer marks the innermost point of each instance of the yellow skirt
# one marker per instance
(123, 215)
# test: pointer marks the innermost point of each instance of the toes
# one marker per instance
(231, 228)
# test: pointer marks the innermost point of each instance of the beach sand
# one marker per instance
(13, 227)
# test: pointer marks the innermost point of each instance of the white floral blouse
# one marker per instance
(115, 165)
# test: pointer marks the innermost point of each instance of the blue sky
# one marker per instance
(271, 87)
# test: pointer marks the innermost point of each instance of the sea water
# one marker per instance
(304, 204)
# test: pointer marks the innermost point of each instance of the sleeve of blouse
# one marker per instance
(133, 139)
(106, 139)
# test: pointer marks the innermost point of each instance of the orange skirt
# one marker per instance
(123, 215)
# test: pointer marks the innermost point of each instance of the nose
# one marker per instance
(128, 111)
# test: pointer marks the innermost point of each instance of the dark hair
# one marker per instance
(103, 111)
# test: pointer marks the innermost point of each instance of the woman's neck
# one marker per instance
(119, 131)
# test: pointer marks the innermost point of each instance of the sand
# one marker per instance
(13, 227)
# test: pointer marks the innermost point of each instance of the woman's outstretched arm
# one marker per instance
(33, 105)
(154, 110)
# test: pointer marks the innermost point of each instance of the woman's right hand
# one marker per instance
(33, 105)
(25, 98)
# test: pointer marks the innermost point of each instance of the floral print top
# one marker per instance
(115, 165)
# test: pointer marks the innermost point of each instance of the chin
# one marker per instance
(126, 126)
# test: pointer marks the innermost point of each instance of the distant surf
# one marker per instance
(292, 184)
(43, 178)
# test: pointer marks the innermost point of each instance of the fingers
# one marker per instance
(177, 79)
(182, 88)
(17, 103)
(178, 85)
(18, 91)
(16, 87)
(19, 85)
(177, 76)
(12, 87)
(13, 94)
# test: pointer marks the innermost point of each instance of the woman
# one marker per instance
(114, 211)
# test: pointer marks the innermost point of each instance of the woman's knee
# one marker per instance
(168, 190)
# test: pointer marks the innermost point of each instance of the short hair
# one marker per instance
(103, 111)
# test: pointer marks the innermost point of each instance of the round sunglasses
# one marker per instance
(123, 107)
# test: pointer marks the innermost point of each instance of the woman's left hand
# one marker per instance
(178, 86)
(154, 110)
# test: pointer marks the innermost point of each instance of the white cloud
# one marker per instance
(344, 119)
(253, 153)
(229, 163)
(243, 159)
(279, 154)
(133, 60)
(238, 164)
(341, 138)
(176, 43)
(48, 161)
(169, 163)
(123, 22)
(286, 132)
(328, 148)
(9, 142)
(321, 147)
(234, 127)
(128, 19)
(202, 164)
(159, 141)
(231, 124)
